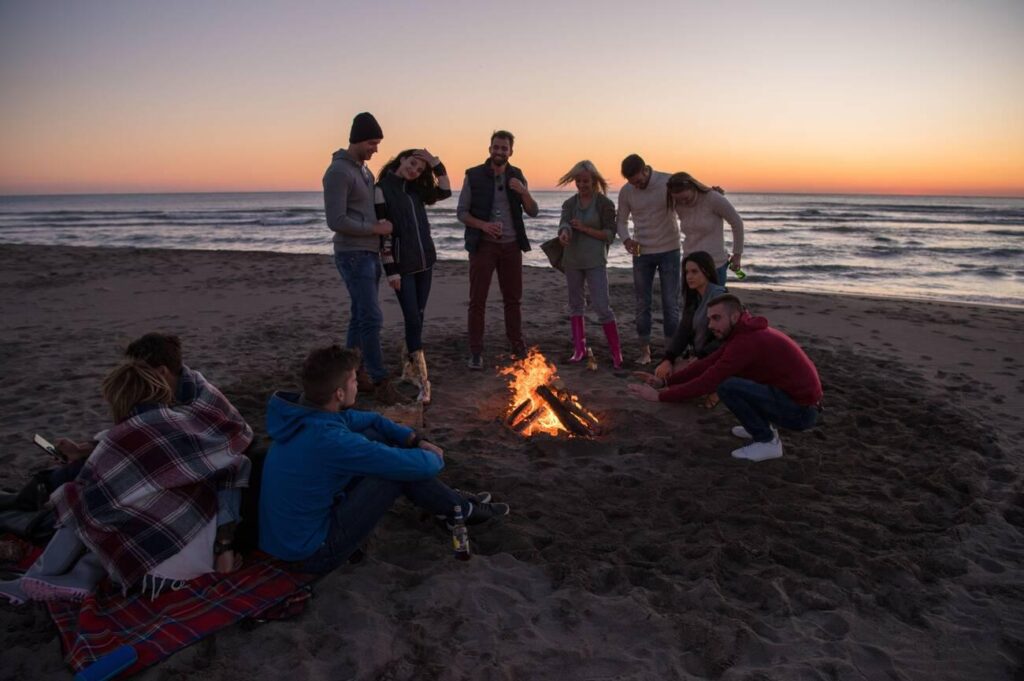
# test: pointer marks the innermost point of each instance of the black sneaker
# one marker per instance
(475, 497)
(481, 513)
(476, 362)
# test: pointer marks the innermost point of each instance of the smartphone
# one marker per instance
(47, 447)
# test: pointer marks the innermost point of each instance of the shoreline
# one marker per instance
(615, 274)
(887, 542)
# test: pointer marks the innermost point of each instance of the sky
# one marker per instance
(896, 97)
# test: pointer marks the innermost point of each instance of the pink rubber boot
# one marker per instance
(611, 332)
(579, 340)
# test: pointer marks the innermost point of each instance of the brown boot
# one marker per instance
(364, 381)
(420, 362)
(409, 369)
(385, 393)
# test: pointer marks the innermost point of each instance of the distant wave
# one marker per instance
(955, 249)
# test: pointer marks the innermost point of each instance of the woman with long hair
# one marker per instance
(702, 210)
(586, 230)
(692, 338)
(405, 187)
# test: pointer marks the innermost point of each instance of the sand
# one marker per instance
(886, 544)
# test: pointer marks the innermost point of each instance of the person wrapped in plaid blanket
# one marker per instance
(149, 490)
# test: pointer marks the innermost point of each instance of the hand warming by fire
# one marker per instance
(539, 403)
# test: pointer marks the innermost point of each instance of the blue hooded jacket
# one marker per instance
(314, 457)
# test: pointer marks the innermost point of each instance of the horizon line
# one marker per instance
(455, 191)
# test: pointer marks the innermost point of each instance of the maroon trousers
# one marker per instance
(507, 259)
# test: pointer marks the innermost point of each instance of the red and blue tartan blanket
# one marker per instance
(151, 483)
(108, 620)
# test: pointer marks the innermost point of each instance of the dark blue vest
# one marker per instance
(481, 193)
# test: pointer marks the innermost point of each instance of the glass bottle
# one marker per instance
(460, 535)
(740, 274)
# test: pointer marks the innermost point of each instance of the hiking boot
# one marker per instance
(476, 362)
(385, 393)
(760, 451)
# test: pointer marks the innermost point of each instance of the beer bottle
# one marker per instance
(460, 535)
(740, 274)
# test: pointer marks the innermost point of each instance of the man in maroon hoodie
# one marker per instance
(760, 374)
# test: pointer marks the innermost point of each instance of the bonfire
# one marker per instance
(540, 403)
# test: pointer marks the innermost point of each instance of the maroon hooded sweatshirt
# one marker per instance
(757, 353)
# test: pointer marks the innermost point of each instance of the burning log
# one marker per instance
(563, 413)
(588, 419)
(530, 418)
(517, 411)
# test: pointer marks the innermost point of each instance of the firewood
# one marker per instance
(579, 413)
(530, 418)
(517, 411)
(562, 413)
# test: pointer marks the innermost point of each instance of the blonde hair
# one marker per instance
(599, 182)
(131, 384)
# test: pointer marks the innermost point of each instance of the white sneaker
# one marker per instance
(760, 451)
(743, 434)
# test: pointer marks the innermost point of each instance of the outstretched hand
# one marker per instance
(649, 379)
(644, 392)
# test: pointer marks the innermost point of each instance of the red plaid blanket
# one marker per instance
(151, 483)
(107, 620)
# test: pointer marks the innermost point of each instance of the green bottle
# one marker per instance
(740, 274)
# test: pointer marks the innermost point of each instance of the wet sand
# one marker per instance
(888, 543)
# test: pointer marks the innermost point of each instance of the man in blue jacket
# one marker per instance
(333, 472)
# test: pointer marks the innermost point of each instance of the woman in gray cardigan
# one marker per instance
(586, 230)
(692, 337)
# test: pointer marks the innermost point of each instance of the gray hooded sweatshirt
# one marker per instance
(348, 203)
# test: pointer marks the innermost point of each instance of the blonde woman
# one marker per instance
(586, 230)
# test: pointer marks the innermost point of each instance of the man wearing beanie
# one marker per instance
(348, 203)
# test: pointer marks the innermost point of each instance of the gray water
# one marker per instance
(946, 248)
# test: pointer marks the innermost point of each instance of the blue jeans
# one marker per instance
(361, 270)
(759, 406)
(723, 273)
(412, 298)
(361, 507)
(667, 266)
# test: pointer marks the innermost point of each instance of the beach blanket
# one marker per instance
(108, 620)
(151, 483)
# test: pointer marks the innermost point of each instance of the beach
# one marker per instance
(888, 542)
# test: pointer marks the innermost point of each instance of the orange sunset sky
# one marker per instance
(875, 97)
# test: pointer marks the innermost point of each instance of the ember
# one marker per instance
(540, 403)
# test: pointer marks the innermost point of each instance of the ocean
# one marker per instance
(961, 249)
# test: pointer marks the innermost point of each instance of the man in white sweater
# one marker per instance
(654, 245)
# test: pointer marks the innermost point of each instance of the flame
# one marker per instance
(528, 374)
